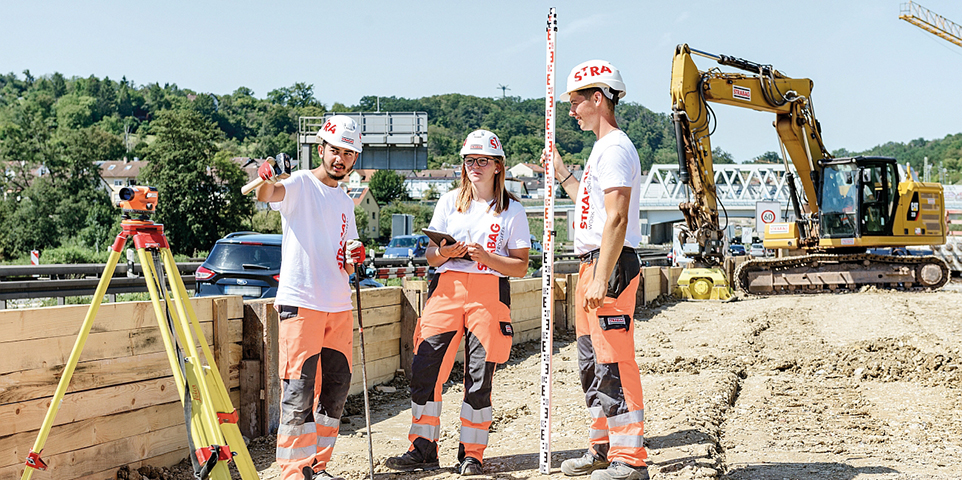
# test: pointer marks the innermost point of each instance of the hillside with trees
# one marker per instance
(54, 130)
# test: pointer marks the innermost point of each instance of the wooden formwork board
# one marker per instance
(380, 315)
(26, 416)
(525, 285)
(105, 455)
(82, 434)
(379, 333)
(45, 322)
(376, 297)
(375, 351)
(651, 277)
(55, 350)
(378, 371)
(168, 443)
(40, 382)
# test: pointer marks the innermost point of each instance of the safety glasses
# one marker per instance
(480, 162)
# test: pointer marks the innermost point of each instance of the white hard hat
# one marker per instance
(482, 142)
(594, 73)
(342, 131)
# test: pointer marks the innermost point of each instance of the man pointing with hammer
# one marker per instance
(313, 301)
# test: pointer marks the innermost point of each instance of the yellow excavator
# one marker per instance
(845, 205)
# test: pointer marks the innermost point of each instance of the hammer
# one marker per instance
(282, 170)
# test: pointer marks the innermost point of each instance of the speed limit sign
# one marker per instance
(766, 212)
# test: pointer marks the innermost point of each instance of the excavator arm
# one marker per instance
(764, 89)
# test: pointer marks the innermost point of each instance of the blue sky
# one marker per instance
(877, 78)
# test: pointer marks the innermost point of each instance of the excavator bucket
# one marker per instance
(705, 284)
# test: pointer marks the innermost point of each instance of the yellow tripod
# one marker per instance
(214, 436)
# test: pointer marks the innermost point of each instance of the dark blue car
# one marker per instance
(242, 263)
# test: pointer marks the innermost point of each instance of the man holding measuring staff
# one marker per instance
(606, 230)
(314, 299)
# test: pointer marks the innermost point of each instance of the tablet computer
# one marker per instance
(437, 236)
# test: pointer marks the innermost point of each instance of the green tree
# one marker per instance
(430, 194)
(75, 111)
(200, 198)
(720, 156)
(387, 186)
(767, 157)
(360, 217)
(266, 221)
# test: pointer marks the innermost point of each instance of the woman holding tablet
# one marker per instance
(468, 297)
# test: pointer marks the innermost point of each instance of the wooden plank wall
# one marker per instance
(121, 407)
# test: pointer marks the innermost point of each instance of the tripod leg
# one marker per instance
(203, 420)
(33, 459)
(169, 335)
(219, 396)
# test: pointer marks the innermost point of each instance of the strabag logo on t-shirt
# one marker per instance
(586, 217)
(340, 245)
(493, 243)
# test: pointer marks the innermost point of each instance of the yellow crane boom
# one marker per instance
(931, 22)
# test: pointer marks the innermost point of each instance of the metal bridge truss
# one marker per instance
(737, 185)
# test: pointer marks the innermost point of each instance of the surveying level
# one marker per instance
(213, 435)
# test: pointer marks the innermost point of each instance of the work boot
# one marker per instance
(583, 465)
(621, 471)
(470, 466)
(410, 461)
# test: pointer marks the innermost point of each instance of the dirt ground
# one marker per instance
(860, 386)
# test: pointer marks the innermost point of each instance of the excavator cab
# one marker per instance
(858, 197)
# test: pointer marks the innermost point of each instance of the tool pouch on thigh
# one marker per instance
(625, 271)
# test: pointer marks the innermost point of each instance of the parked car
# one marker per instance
(406, 246)
(737, 249)
(242, 263)
(758, 250)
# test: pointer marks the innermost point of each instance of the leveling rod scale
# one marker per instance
(547, 263)
(213, 435)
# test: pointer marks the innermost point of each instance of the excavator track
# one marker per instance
(825, 272)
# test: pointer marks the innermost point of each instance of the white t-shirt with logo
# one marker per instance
(613, 163)
(317, 221)
(495, 233)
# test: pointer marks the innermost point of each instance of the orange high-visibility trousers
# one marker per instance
(606, 359)
(315, 367)
(477, 307)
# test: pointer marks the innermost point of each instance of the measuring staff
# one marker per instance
(606, 230)
(315, 332)
(470, 297)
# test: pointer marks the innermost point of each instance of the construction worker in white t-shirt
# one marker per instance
(468, 297)
(606, 230)
(315, 329)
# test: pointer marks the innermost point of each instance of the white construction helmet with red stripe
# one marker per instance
(482, 142)
(341, 131)
(594, 73)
